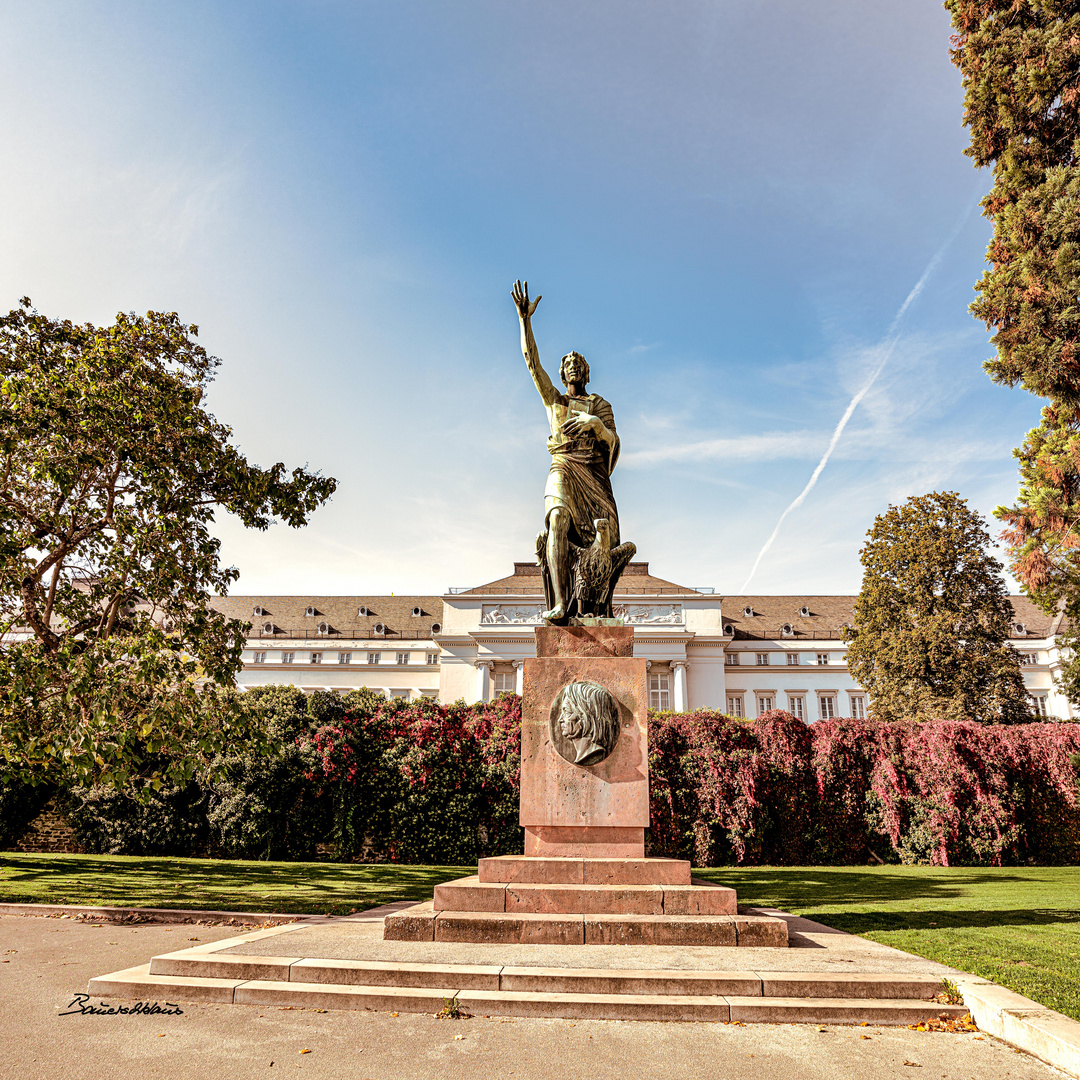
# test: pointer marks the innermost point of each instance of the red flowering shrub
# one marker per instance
(845, 791)
(422, 782)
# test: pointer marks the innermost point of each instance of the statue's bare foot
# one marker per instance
(556, 614)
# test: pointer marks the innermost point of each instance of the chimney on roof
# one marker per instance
(526, 569)
(637, 568)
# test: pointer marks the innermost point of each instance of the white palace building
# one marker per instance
(742, 655)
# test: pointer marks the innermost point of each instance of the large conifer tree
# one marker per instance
(1020, 62)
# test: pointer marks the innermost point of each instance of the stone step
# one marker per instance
(472, 894)
(424, 923)
(139, 983)
(535, 870)
(773, 984)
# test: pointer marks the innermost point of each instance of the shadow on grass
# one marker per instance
(205, 883)
(862, 922)
(818, 887)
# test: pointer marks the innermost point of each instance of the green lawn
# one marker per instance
(1017, 926)
(215, 884)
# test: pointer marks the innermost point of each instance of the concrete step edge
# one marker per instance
(139, 983)
(796, 984)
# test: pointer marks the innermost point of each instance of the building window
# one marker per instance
(373, 657)
(734, 705)
(731, 658)
(764, 703)
(432, 658)
(797, 706)
(504, 683)
(288, 658)
(793, 659)
(259, 658)
(431, 695)
(1029, 658)
(404, 694)
(344, 657)
(659, 691)
(827, 706)
(1040, 704)
(402, 658)
(822, 657)
(316, 657)
(762, 659)
(858, 707)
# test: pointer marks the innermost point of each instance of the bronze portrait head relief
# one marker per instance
(584, 723)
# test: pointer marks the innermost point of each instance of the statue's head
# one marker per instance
(574, 368)
(603, 529)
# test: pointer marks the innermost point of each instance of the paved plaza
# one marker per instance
(48, 961)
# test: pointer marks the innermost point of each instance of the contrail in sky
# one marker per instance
(885, 350)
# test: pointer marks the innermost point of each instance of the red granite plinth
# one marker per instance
(539, 871)
(584, 841)
(584, 641)
(584, 878)
(570, 810)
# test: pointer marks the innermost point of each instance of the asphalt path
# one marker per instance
(47, 962)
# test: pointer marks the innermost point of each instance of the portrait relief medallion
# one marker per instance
(584, 723)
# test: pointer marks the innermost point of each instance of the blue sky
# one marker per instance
(724, 205)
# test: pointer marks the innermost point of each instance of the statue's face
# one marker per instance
(574, 369)
(571, 723)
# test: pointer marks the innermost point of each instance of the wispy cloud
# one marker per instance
(884, 350)
(768, 446)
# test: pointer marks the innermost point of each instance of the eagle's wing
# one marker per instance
(620, 558)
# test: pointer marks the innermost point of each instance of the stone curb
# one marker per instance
(184, 915)
(1023, 1023)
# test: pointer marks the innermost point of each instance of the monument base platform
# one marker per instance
(516, 899)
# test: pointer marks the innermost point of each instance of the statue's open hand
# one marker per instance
(520, 293)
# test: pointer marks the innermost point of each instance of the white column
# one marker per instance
(483, 679)
(519, 677)
(678, 669)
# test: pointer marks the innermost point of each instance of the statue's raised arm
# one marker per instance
(526, 308)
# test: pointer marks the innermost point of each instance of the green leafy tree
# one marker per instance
(113, 666)
(932, 619)
(1020, 62)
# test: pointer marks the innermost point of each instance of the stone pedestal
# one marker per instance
(581, 810)
(584, 878)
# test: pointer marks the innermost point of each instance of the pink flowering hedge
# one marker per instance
(439, 784)
(777, 791)
(421, 782)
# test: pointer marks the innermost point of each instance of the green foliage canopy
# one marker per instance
(932, 618)
(113, 665)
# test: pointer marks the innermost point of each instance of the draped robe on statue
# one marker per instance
(579, 480)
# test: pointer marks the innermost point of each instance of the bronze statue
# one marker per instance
(581, 521)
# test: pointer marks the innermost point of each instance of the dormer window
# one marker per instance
(380, 628)
(309, 611)
(417, 612)
(362, 612)
(268, 628)
(748, 611)
(1019, 628)
(804, 612)
(436, 627)
(787, 629)
(257, 611)
(323, 628)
